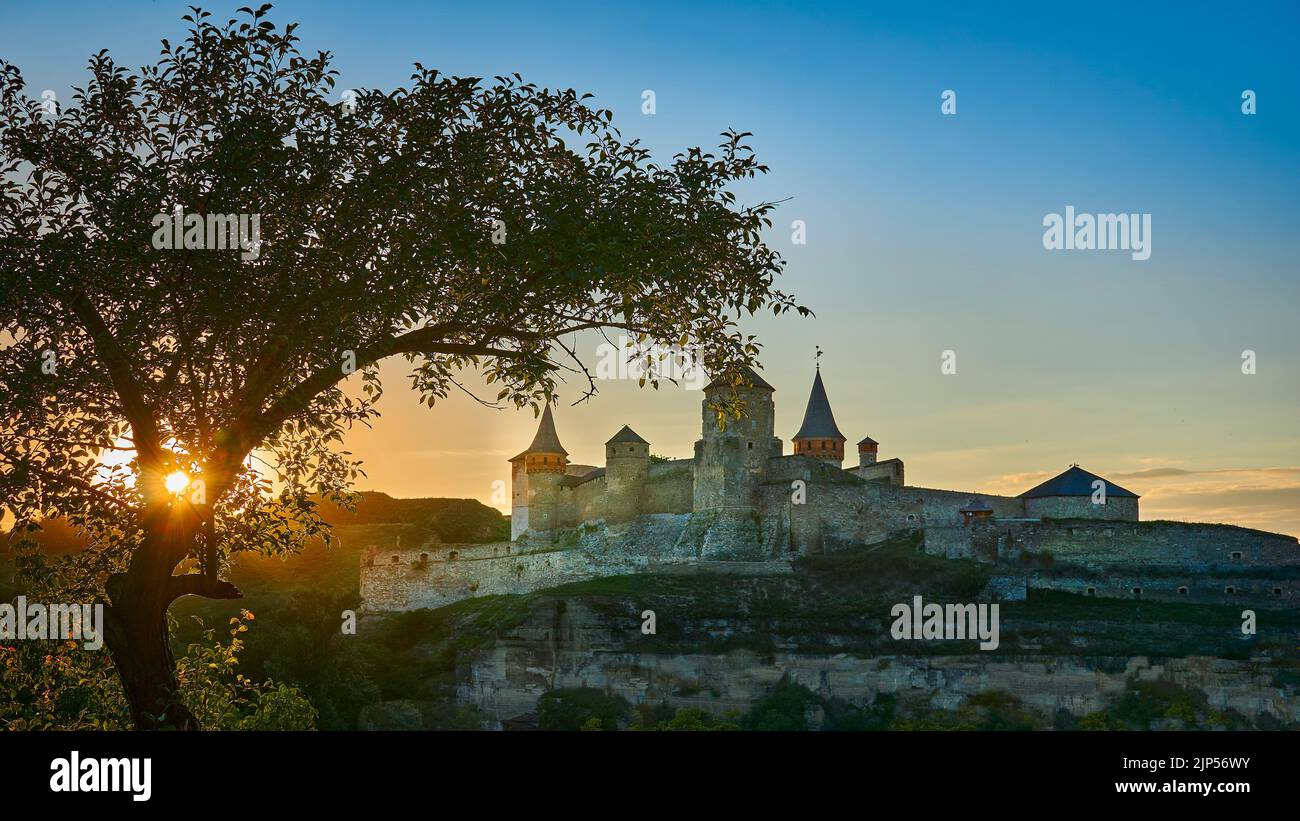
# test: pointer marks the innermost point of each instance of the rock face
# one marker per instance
(568, 644)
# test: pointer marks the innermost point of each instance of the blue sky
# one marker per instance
(924, 231)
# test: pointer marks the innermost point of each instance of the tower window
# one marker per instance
(751, 446)
(1092, 591)
(1277, 591)
(1230, 590)
(396, 560)
(1182, 591)
(1236, 555)
(1137, 592)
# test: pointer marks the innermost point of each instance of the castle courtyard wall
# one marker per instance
(1197, 547)
(1123, 508)
(842, 513)
(397, 579)
(669, 487)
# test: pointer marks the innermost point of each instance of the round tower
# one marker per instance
(627, 462)
(539, 469)
(731, 461)
(819, 436)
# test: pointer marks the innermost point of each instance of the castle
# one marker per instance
(741, 504)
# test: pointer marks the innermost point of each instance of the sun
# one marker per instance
(176, 481)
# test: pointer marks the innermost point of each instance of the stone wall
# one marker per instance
(841, 512)
(669, 487)
(581, 503)
(1247, 591)
(1199, 548)
(1122, 508)
(1172, 561)
(409, 578)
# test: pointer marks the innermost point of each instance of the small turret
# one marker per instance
(819, 436)
(867, 450)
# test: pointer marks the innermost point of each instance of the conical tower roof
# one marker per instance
(546, 440)
(626, 435)
(818, 421)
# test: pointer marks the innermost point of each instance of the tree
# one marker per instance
(179, 399)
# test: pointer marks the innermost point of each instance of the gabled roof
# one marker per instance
(818, 421)
(753, 376)
(546, 440)
(575, 479)
(1074, 482)
(867, 440)
(626, 434)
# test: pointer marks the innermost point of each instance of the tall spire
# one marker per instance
(546, 440)
(818, 421)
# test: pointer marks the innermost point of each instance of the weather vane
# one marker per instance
(817, 358)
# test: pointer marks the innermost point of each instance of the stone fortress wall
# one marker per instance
(740, 499)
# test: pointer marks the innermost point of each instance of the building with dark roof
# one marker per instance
(1078, 494)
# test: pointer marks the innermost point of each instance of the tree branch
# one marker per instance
(120, 371)
(198, 584)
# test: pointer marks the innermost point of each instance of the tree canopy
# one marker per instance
(461, 223)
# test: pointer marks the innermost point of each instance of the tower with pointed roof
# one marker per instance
(535, 480)
(819, 436)
(627, 462)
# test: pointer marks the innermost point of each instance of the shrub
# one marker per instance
(575, 708)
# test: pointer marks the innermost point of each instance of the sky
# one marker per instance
(924, 230)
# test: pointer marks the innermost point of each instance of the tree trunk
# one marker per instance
(137, 638)
(136, 622)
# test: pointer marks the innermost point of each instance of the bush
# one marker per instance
(581, 708)
(223, 699)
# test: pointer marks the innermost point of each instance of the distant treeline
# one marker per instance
(450, 520)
